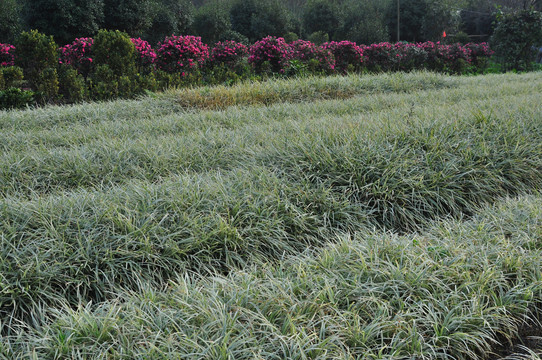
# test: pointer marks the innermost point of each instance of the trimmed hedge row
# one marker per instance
(113, 65)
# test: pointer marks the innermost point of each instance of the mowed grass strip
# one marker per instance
(269, 190)
(454, 291)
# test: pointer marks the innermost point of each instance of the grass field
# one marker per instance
(361, 217)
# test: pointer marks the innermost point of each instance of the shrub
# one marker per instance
(316, 59)
(116, 50)
(72, 85)
(456, 58)
(7, 56)
(12, 76)
(435, 55)
(14, 98)
(47, 85)
(480, 54)
(145, 54)
(380, 57)
(78, 54)
(104, 84)
(35, 52)
(272, 50)
(181, 54)
(410, 56)
(319, 37)
(228, 53)
(347, 54)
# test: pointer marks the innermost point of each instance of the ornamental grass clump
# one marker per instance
(271, 53)
(7, 56)
(316, 58)
(181, 54)
(78, 55)
(348, 55)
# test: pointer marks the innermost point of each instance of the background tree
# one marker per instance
(258, 19)
(132, 16)
(212, 20)
(64, 19)
(322, 15)
(515, 34)
(10, 22)
(412, 19)
(172, 17)
(364, 22)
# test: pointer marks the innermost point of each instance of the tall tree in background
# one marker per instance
(132, 16)
(212, 21)
(322, 15)
(257, 19)
(10, 22)
(364, 22)
(64, 19)
(413, 14)
(172, 17)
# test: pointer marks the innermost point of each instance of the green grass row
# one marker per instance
(454, 291)
(115, 194)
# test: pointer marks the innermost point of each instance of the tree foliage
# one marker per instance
(515, 35)
(64, 19)
(171, 17)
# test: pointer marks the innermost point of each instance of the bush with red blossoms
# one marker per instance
(309, 53)
(7, 57)
(435, 55)
(456, 58)
(228, 53)
(480, 54)
(145, 54)
(380, 57)
(347, 54)
(271, 50)
(181, 54)
(78, 54)
(410, 56)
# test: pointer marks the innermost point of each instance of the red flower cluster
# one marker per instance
(78, 54)
(229, 53)
(273, 50)
(347, 53)
(7, 57)
(146, 56)
(181, 54)
(306, 51)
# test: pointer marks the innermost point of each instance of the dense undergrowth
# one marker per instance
(152, 228)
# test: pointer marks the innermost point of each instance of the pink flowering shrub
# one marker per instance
(145, 54)
(78, 54)
(480, 54)
(435, 55)
(7, 57)
(181, 54)
(410, 56)
(228, 53)
(456, 58)
(272, 50)
(312, 55)
(347, 54)
(380, 57)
